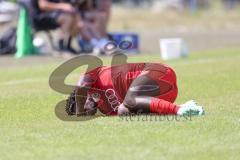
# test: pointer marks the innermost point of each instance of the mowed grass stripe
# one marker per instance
(29, 128)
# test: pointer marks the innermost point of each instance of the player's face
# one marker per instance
(90, 106)
(89, 103)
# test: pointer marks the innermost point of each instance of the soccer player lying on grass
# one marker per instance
(137, 88)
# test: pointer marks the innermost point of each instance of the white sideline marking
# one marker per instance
(28, 80)
(206, 60)
(197, 61)
(22, 81)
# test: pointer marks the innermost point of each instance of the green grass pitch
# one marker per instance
(29, 128)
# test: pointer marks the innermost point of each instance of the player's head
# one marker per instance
(90, 106)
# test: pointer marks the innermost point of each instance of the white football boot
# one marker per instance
(190, 108)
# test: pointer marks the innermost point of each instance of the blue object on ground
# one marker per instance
(118, 37)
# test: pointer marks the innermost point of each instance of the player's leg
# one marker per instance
(142, 97)
(149, 95)
(148, 104)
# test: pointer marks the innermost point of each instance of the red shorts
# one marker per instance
(165, 77)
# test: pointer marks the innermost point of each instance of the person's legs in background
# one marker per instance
(73, 25)
(68, 28)
(89, 34)
(104, 9)
(52, 20)
(93, 26)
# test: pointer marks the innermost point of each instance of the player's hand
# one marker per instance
(122, 110)
(190, 108)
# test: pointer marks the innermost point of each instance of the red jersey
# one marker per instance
(110, 84)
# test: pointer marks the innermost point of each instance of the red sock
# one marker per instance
(160, 106)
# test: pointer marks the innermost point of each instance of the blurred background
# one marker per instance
(202, 24)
